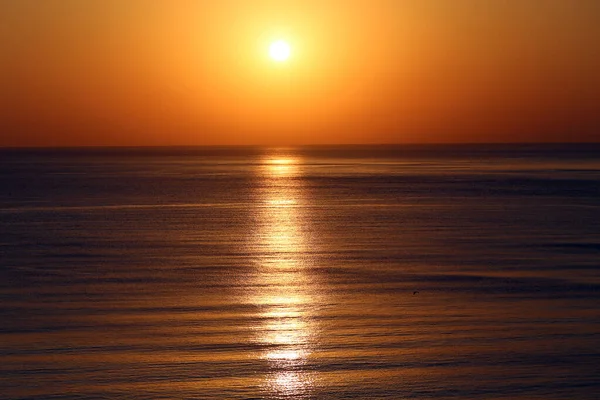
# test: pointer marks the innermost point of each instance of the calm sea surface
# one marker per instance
(415, 272)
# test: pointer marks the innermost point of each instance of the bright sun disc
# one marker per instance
(279, 50)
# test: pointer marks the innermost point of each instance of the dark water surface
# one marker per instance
(415, 272)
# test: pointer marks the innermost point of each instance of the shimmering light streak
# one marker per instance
(287, 332)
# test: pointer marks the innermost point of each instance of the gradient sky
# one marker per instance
(151, 72)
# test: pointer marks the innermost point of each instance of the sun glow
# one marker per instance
(280, 50)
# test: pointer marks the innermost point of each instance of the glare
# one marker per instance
(281, 167)
(280, 50)
(281, 202)
(291, 384)
(285, 355)
(281, 161)
(283, 293)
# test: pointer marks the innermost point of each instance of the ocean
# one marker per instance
(324, 272)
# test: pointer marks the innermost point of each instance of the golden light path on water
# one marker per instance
(285, 290)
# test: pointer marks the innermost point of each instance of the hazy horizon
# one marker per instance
(557, 145)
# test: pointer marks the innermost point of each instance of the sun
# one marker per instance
(280, 50)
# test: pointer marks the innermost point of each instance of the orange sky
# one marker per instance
(150, 72)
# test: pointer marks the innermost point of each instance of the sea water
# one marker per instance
(348, 272)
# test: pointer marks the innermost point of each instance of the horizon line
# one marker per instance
(281, 146)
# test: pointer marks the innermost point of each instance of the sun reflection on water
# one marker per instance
(291, 384)
(281, 167)
(284, 290)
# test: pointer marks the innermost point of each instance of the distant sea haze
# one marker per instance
(331, 272)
